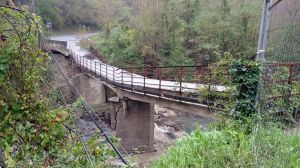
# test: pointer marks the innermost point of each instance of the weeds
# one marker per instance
(232, 146)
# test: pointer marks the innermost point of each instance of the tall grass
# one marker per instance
(231, 147)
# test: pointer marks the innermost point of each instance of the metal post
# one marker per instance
(145, 73)
(264, 27)
(290, 74)
(83, 62)
(95, 68)
(77, 63)
(159, 75)
(114, 74)
(132, 80)
(289, 83)
(90, 66)
(290, 79)
(261, 49)
(80, 62)
(106, 73)
(100, 69)
(180, 80)
(122, 77)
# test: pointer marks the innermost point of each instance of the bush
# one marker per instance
(233, 146)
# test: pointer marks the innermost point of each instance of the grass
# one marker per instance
(234, 147)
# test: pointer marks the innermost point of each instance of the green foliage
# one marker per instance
(280, 94)
(27, 128)
(245, 76)
(70, 13)
(240, 78)
(227, 26)
(232, 146)
(50, 12)
(183, 32)
(119, 47)
(178, 56)
(31, 135)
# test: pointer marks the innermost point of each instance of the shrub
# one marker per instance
(233, 146)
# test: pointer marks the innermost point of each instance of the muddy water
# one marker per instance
(189, 122)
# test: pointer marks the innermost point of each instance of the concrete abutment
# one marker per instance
(90, 89)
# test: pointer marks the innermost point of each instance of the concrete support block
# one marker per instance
(135, 126)
(115, 106)
(91, 89)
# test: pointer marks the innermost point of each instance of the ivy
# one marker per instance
(240, 77)
(245, 77)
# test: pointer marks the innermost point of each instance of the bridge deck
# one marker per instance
(178, 87)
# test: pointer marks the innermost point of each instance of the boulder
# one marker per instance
(165, 112)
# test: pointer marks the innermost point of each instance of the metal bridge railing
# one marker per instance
(181, 83)
(282, 81)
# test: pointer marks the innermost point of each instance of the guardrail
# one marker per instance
(280, 75)
(179, 82)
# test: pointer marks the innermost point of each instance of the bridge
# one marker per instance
(138, 89)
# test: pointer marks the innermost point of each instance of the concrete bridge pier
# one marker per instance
(90, 89)
(135, 125)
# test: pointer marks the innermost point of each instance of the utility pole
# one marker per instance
(264, 27)
(262, 43)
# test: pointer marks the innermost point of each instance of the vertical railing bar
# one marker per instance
(145, 73)
(122, 77)
(106, 73)
(290, 82)
(88, 62)
(95, 68)
(90, 66)
(80, 62)
(100, 69)
(180, 84)
(290, 74)
(76, 58)
(113, 74)
(132, 81)
(159, 81)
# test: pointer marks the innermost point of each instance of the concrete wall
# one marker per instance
(90, 88)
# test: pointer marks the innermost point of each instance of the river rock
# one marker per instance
(165, 112)
(180, 134)
(116, 162)
(171, 126)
